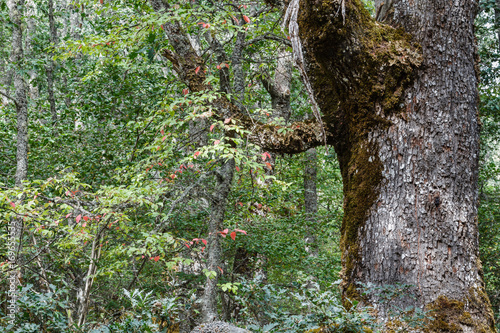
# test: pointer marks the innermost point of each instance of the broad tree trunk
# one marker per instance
(402, 107)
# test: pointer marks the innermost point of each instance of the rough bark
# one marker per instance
(402, 107)
(51, 65)
(20, 94)
(311, 200)
(279, 89)
(22, 128)
(30, 32)
(216, 224)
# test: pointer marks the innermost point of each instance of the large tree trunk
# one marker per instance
(402, 107)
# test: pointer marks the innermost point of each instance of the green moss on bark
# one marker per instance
(449, 315)
(359, 70)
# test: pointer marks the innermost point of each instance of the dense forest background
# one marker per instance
(126, 165)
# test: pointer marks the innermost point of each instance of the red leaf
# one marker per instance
(264, 156)
(207, 26)
(227, 121)
(162, 132)
(218, 67)
(247, 20)
(161, 26)
(259, 206)
(14, 205)
(85, 218)
(216, 142)
(221, 271)
(242, 231)
(185, 91)
(68, 215)
(197, 70)
(204, 241)
(212, 127)
(163, 139)
(227, 65)
(157, 258)
(187, 245)
(78, 218)
(224, 232)
(196, 154)
(233, 235)
(240, 203)
(269, 165)
(84, 224)
(101, 1)
(237, 169)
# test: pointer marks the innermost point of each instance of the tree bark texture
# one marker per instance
(20, 94)
(17, 57)
(311, 200)
(401, 102)
(51, 65)
(216, 224)
(30, 33)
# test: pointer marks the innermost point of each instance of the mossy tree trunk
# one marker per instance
(401, 104)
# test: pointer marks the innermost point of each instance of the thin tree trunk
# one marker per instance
(84, 292)
(31, 30)
(51, 65)
(17, 57)
(20, 95)
(311, 200)
(214, 262)
(497, 22)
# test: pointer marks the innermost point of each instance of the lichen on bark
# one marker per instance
(450, 315)
(359, 70)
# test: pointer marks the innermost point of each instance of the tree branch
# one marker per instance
(9, 97)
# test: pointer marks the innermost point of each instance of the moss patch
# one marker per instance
(359, 70)
(449, 315)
